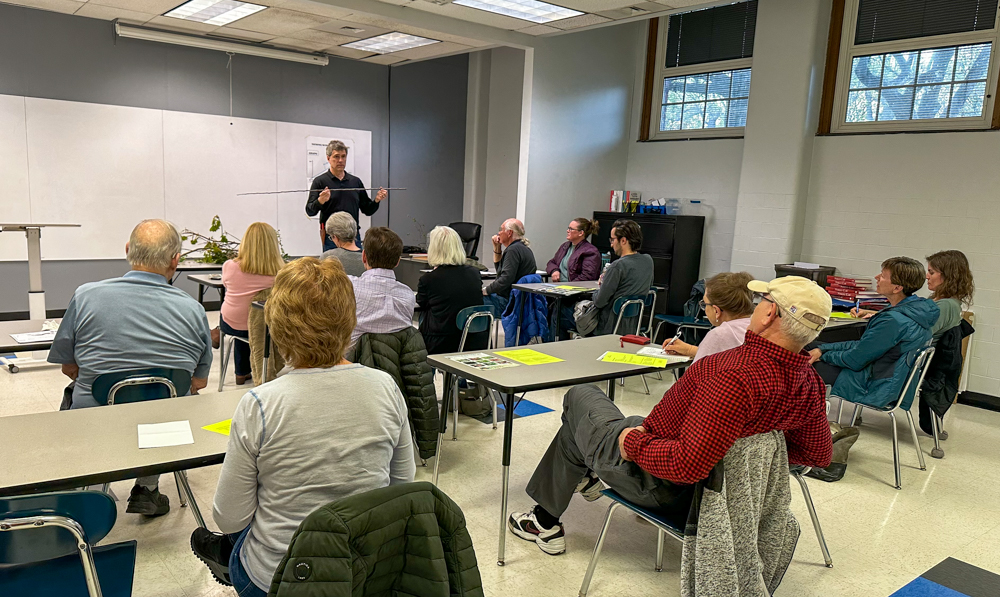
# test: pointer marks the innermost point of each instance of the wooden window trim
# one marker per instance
(832, 63)
(650, 80)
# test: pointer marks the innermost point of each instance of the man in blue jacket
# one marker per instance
(872, 370)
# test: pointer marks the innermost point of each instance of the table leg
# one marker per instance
(555, 326)
(442, 425)
(267, 351)
(611, 389)
(508, 429)
(222, 294)
(201, 295)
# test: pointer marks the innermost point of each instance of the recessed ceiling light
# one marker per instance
(390, 42)
(528, 10)
(214, 12)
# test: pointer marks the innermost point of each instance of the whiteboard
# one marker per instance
(108, 167)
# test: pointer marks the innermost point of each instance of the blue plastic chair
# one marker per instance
(627, 307)
(681, 321)
(154, 383)
(664, 528)
(47, 546)
(471, 320)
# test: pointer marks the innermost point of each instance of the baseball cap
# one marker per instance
(801, 298)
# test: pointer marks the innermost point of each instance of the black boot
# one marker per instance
(214, 550)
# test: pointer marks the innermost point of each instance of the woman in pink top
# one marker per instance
(728, 304)
(253, 270)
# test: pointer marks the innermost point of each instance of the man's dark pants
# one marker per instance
(588, 440)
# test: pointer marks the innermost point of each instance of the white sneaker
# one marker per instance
(590, 488)
(525, 525)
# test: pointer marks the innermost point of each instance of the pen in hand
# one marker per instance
(674, 339)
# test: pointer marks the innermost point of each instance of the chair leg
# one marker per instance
(180, 489)
(916, 441)
(597, 550)
(857, 413)
(621, 381)
(195, 510)
(494, 400)
(657, 332)
(437, 458)
(815, 520)
(644, 384)
(660, 536)
(106, 488)
(895, 451)
(936, 452)
(942, 434)
(224, 361)
(840, 411)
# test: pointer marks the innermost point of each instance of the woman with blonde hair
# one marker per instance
(253, 270)
(443, 292)
(325, 430)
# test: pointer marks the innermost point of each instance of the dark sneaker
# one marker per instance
(146, 502)
(214, 550)
(590, 488)
(525, 525)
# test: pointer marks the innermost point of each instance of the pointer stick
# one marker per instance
(320, 190)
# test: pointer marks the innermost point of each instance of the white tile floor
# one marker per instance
(880, 538)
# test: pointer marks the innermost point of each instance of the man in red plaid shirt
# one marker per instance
(764, 385)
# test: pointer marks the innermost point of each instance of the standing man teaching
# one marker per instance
(325, 199)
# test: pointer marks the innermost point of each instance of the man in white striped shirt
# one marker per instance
(384, 305)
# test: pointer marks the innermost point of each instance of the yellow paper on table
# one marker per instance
(840, 315)
(571, 287)
(526, 356)
(633, 359)
(222, 427)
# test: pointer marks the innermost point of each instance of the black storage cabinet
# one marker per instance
(674, 243)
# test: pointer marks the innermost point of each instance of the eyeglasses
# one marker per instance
(702, 304)
(573, 230)
(760, 296)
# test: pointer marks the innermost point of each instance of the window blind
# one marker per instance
(888, 20)
(711, 35)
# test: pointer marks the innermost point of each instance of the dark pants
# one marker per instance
(588, 441)
(827, 372)
(241, 350)
(237, 574)
(498, 303)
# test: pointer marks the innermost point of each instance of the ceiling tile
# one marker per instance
(323, 37)
(687, 3)
(385, 59)
(154, 7)
(297, 44)
(473, 15)
(278, 21)
(181, 25)
(623, 13)
(241, 34)
(445, 47)
(313, 8)
(96, 11)
(376, 21)
(337, 26)
(580, 21)
(348, 53)
(63, 6)
(538, 30)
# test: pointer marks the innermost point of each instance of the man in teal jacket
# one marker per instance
(872, 370)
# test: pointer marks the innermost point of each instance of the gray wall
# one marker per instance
(427, 102)
(56, 56)
(580, 109)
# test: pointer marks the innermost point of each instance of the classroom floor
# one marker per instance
(880, 538)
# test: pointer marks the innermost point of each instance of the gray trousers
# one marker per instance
(588, 441)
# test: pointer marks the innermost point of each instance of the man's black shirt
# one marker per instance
(349, 201)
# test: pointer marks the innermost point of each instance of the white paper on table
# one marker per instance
(162, 435)
(653, 351)
(32, 337)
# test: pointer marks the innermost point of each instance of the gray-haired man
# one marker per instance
(135, 322)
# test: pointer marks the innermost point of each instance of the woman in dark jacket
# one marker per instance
(443, 292)
(576, 260)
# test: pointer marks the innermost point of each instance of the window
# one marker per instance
(907, 66)
(702, 74)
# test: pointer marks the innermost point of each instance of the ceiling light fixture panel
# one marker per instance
(528, 10)
(214, 12)
(390, 42)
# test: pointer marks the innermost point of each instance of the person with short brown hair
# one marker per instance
(384, 305)
(728, 305)
(949, 278)
(872, 370)
(629, 275)
(304, 439)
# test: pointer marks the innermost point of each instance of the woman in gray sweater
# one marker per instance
(630, 274)
(325, 430)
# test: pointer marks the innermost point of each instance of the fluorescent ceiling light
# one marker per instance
(214, 12)
(390, 42)
(528, 10)
(215, 44)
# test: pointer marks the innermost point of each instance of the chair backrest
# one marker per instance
(627, 307)
(470, 233)
(473, 320)
(93, 513)
(915, 379)
(138, 385)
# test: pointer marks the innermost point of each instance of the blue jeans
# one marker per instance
(241, 350)
(238, 575)
(498, 303)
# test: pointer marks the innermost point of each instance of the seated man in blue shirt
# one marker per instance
(135, 322)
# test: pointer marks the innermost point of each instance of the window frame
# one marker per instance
(849, 51)
(663, 73)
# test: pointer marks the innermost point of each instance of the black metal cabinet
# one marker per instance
(674, 243)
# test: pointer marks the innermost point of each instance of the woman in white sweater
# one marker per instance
(323, 431)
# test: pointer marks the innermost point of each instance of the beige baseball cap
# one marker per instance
(801, 298)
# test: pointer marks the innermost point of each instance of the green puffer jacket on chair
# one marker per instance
(398, 541)
(403, 355)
